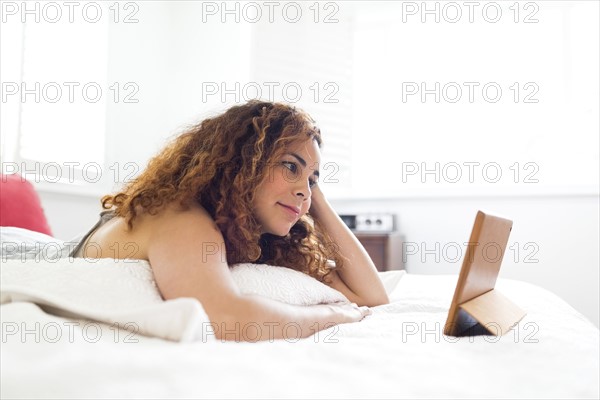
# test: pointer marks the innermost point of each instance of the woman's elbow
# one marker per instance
(375, 301)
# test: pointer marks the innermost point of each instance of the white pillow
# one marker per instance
(20, 243)
(283, 284)
(124, 292)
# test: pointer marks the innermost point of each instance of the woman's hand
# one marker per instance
(318, 201)
(348, 312)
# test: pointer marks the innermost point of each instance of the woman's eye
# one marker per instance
(290, 165)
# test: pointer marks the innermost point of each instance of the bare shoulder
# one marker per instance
(173, 221)
(187, 254)
(183, 233)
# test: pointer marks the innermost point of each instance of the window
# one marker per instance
(309, 65)
(412, 97)
(531, 126)
(55, 96)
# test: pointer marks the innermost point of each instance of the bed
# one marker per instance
(99, 329)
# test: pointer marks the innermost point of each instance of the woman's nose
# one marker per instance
(303, 189)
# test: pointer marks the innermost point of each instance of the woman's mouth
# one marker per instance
(293, 211)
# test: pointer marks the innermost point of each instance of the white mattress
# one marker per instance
(553, 353)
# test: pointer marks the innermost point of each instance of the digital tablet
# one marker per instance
(476, 306)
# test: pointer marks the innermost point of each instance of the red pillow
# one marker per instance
(20, 205)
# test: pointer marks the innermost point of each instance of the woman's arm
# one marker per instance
(254, 318)
(188, 258)
(358, 279)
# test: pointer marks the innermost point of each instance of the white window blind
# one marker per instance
(538, 135)
(60, 100)
(65, 66)
(353, 73)
(11, 49)
(542, 134)
(311, 64)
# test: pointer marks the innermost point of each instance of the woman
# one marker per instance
(239, 187)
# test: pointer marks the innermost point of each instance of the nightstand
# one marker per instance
(385, 249)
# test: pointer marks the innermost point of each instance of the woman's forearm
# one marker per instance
(358, 272)
(257, 318)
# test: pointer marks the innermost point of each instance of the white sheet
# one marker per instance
(397, 352)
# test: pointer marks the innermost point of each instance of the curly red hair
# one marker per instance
(218, 164)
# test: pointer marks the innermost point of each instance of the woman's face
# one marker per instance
(284, 195)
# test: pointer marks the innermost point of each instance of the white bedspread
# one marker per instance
(50, 351)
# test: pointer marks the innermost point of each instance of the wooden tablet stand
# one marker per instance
(478, 308)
